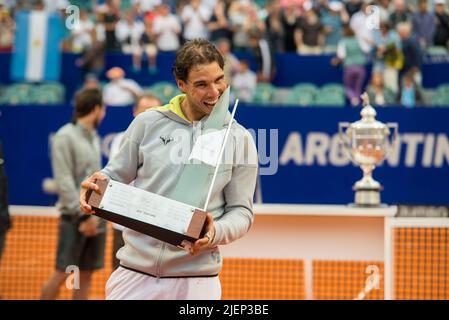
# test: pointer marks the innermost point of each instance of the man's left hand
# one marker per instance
(205, 242)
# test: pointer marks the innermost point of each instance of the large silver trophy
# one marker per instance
(367, 143)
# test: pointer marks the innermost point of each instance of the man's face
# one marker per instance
(423, 6)
(205, 84)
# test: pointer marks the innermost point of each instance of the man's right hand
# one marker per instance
(89, 184)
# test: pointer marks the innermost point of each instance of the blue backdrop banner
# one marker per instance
(299, 152)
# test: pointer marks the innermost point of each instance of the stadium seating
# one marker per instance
(265, 94)
(28, 93)
(441, 96)
(332, 94)
(164, 90)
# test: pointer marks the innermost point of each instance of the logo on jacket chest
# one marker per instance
(165, 139)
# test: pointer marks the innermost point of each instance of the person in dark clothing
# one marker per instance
(400, 14)
(441, 37)
(5, 222)
(111, 17)
(353, 6)
(218, 24)
(289, 25)
(411, 49)
(424, 24)
(264, 55)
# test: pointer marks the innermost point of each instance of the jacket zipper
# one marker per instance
(164, 245)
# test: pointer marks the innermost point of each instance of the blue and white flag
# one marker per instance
(37, 53)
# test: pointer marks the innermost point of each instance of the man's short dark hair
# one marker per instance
(85, 102)
(192, 53)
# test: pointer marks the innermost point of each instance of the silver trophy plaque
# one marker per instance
(367, 143)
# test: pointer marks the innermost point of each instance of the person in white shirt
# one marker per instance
(82, 33)
(195, 17)
(363, 28)
(166, 27)
(145, 102)
(128, 32)
(120, 91)
(146, 5)
(244, 83)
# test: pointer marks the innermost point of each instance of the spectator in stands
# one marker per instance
(333, 16)
(424, 25)
(353, 6)
(243, 18)
(5, 222)
(350, 53)
(120, 91)
(296, 5)
(128, 33)
(144, 102)
(111, 17)
(93, 60)
(75, 152)
(361, 25)
(388, 58)
(195, 17)
(413, 55)
(82, 33)
(310, 33)
(6, 29)
(244, 83)
(166, 27)
(401, 13)
(289, 24)
(218, 24)
(12, 4)
(147, 46)
(410, 93)
(441, 37)
(146, 6)
(385, 9)
(274, 26)
(264, 56)
(232, 64)
(378, 93)
(91, 82)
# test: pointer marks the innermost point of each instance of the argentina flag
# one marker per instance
(37, 53)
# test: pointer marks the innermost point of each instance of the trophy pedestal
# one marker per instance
(367, 197)
(367, 192)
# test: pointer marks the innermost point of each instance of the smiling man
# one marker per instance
(152, 269)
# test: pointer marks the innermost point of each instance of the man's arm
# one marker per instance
(122, 167)
(123, 164)
(238, 216)
(63, 166)
(239, 192)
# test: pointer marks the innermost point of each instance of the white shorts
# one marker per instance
(124, 284)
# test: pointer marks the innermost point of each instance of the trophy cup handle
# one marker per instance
(342, 127)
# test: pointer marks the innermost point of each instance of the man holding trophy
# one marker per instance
(149, 155)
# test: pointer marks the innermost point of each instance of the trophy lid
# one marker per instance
(368, 115)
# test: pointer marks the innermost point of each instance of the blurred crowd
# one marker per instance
(394, 44)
